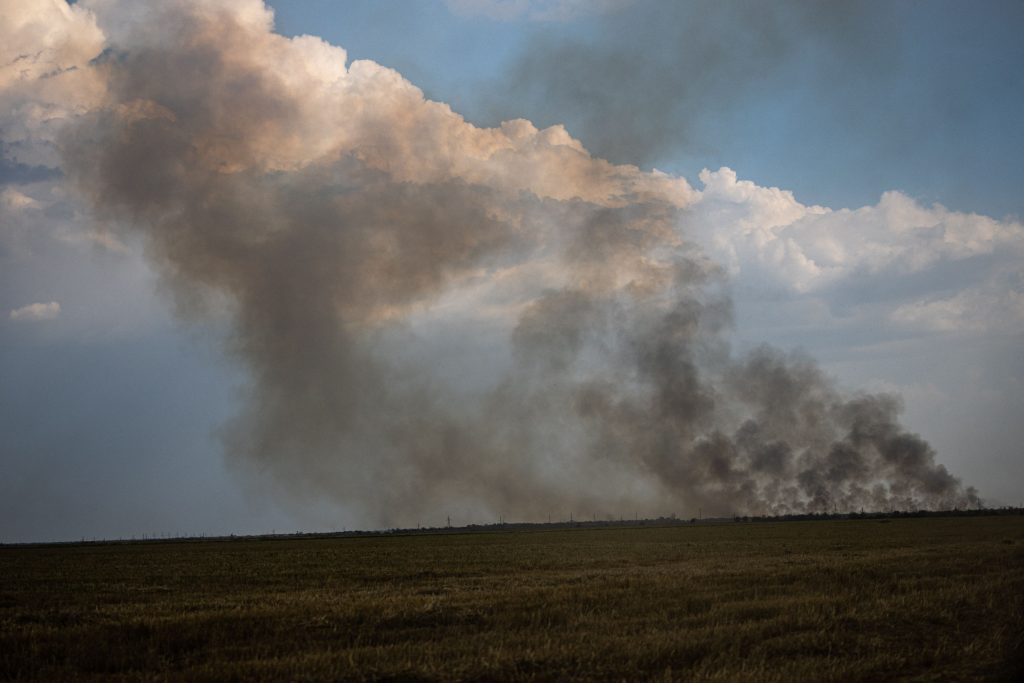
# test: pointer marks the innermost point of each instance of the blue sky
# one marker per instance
(919, 97)
(115, 400)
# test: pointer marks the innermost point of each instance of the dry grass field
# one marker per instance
(939, 599)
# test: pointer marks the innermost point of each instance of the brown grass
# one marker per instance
(912, 599)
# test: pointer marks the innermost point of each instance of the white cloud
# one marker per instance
(38, 311)
(23, 224)
(13, 199)
(45, 78)
(983, 307)
(104, 239)
(925, 268)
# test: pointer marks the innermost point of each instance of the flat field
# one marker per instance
(937, 599)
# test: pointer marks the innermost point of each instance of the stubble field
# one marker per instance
(855, 600)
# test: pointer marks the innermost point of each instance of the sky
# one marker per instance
(318, 265)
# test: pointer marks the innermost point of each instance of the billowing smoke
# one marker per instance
(351, 230)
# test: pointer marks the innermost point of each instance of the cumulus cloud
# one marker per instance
(44, 74)
(20, 217)
(994, 305)
(927, 267)
(335, 209)
(35, 312)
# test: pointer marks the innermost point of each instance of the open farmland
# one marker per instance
(867, 600)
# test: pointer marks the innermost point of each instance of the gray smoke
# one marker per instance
(329, 210)
(651, 78)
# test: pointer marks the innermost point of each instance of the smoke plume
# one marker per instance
(690, 64)
(341, 219)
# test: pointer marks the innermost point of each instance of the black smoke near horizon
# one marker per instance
(328, 209)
